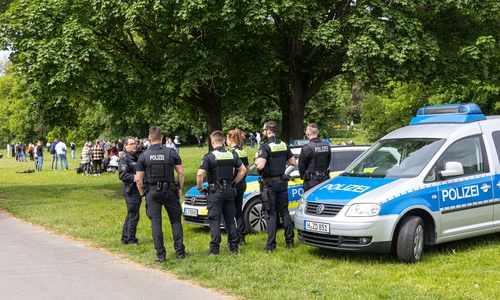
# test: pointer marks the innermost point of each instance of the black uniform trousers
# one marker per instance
(155, 201)
(310, 183)
(133, 201)
(218, 204)
(241, 187)
(278, 203)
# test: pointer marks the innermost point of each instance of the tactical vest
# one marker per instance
(320, 154)
(224, 168)
(276, 164)
(158, 168)
(242, 154)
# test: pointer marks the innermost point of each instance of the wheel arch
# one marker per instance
(429, 225)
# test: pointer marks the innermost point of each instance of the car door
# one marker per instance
(465, 200)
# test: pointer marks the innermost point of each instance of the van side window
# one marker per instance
(469, 152)
(496, 139)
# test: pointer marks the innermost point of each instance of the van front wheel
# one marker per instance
(410, 245)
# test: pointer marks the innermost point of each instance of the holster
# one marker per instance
(129, 187)
(264, 196)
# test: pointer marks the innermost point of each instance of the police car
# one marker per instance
(195, 210)
(434, 181)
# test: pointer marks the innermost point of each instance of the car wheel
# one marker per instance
(254, 216)
(410, 245)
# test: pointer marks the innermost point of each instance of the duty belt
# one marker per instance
(218, 186)
(163, 186)
(270, 179)
(316, 175)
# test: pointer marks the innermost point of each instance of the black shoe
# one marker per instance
(235, 252)
(211, 254)
(289, 245)
(185, 255)
(243, 243)
(160, 260)
(226, 245)
(268, 250)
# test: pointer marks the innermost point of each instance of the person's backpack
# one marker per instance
(52, 150)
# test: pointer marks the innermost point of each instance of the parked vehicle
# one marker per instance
(434, 181)
(195, 210)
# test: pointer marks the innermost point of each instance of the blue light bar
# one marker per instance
(448, 113)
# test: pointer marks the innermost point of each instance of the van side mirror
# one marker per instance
(452, 168)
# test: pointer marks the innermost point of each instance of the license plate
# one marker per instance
(317, 227)
(191, 212)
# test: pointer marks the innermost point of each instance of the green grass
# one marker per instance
(92, 209)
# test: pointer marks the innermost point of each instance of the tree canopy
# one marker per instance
(137, 59)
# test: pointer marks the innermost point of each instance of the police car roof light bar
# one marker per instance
(448, 113)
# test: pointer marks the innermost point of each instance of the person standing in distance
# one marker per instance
(271, 161)
(218, 165)
(127, 173)
(235, 142)
(314, 159)
(155, 169)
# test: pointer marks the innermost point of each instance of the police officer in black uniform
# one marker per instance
(271, 161)
(218, 165)
(126, 172)
(155, 169)
(314, 159)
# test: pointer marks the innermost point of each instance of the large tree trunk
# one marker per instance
(210, 102)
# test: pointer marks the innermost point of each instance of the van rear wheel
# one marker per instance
(410, 244)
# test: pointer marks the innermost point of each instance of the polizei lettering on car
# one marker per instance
(434, 181)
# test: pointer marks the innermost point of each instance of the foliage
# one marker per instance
(384, 112)
(137, 59)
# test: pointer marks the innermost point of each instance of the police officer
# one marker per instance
(218, 165)
(127, 173)
(235, 142)
(155, 169)
(314, 159)
(271, 161)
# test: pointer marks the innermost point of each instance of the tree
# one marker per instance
(140, 57)
(372, 41)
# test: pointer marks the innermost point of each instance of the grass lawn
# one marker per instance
(92, 209)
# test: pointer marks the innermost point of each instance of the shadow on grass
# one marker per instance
(445, 249)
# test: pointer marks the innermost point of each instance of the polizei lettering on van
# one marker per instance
(157, 157)
(345, 187)
(460, 193)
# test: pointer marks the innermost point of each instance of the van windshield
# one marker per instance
(395, 158)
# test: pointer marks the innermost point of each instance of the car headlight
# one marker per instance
(302, 205)
(363, 210)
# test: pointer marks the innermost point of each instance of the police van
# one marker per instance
(434, 181)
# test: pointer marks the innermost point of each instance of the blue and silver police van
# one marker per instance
(433, 181)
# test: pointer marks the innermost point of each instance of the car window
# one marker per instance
(341, 160)
(468, 152)
(397, 158)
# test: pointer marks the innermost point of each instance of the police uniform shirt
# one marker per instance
(209, 164)
(174, 159)
(127, 167)
(306, 155)
(265, 149)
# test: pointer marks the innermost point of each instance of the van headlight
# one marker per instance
(363, 210)
(302, 205)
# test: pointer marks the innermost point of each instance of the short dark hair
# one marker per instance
(271, 126)
(312, 128)
(155, 133)
(217, 136)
